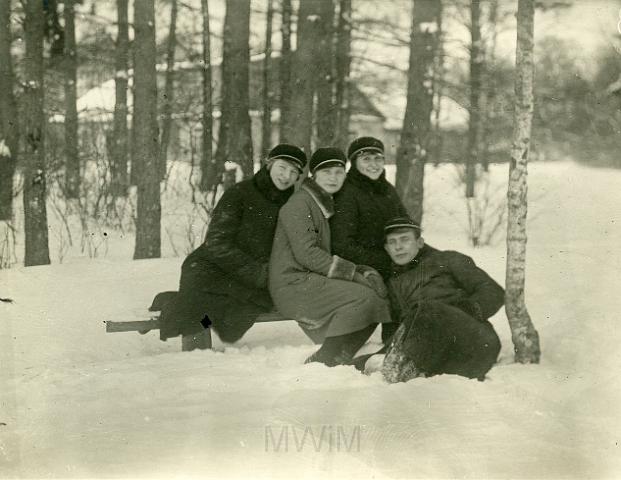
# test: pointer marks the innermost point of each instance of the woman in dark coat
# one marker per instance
(224, 281)
(363, 206)
(334, 300)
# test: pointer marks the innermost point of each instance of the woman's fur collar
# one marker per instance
(379, 186)
(323, 199)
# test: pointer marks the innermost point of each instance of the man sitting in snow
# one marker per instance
(440, 302)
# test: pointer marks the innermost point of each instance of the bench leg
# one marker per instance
(201, 341)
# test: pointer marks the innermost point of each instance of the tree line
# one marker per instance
(314, 103)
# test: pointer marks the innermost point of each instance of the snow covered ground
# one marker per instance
(76, 402)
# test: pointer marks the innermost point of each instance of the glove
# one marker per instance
(366, 270)
(371, 278)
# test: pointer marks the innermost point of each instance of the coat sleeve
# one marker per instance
(221, 242)
(297, 222)
(344, 230)
(485, 295)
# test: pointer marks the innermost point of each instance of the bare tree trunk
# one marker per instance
(326, 105)
(134, 167)
(525, 337)
(234, 138)
(169, 88)
(72, 157)
(53, 30)
(208, 166)
(438, 91)
(298, 129)
(343, 66)
(35, 215)
(8, 115)
(148, 214)
(488, 107)
(415, 135)
(266, 123)
(476, 69)
(285, 69)
(120, 135)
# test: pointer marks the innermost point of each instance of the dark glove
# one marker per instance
(471, 308)
(372, 279)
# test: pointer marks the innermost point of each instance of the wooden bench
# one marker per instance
(201, 340)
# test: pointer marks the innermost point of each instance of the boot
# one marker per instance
(341, 349)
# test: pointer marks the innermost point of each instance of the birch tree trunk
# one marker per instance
(148, 214)
(169, 88)
(120, 135)
(8, 115)
(415, 135)
(266, 123)
(72, 158)
(234, 138)
(208, 166)
(35, 215)
(525, 337)
(285, 70)
(476, 70)
(299, 127)
(326, 105)
(343, 67)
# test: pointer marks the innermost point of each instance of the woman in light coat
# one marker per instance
(334, 300)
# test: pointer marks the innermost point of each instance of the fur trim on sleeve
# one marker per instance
(341, 269)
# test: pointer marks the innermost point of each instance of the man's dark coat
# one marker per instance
(446, 276)
(226, 277)
(441, 302)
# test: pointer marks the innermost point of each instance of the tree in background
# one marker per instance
(266, 123)
(120, 137)
(343, 67)
(474, 108)
(298, 128)
(234, 138)
(8, 115)
(489, 108)
(33, 132)
(145, 162)
(415, 134)
(326, 115)
(53, 31)
(70, 68)
(168, 90)
(525, 337)
(285, 69)
(208, 166)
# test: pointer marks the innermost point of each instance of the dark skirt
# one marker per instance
(230, 312)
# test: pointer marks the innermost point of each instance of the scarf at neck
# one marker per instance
(366, 183)
(323, 199)
(266, 186)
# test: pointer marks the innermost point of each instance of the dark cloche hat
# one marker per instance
(364, 144)
(290, 153)
(400, 222)
(326, 157)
